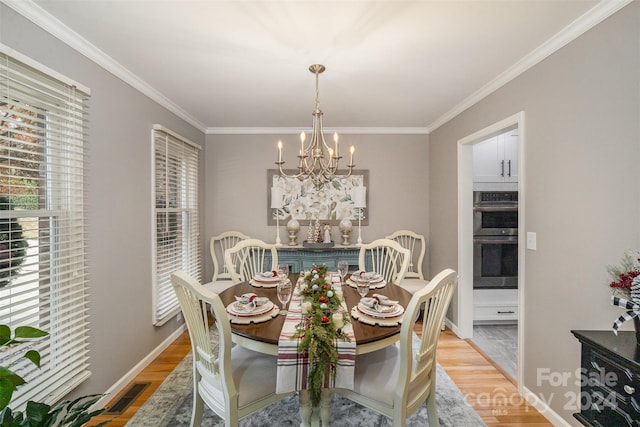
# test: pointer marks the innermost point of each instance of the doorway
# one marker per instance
(465, 296)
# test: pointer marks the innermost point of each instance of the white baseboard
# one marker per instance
(544, 409)
(129, 376)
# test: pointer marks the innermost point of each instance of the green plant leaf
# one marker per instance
(6, 391)
(8, 374)
(38, 414)
(83, 403)
(29, 332)
(34, 356)
(9, 419)
(5, 334)
(78, 410)
(9, 382)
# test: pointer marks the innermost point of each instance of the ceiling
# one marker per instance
(237, 65)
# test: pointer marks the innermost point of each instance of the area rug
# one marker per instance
(170, 406)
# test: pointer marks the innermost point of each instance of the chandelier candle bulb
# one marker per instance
(335, 139)
(352, 149)
(279, 151)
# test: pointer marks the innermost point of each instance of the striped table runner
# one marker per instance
(293, 367)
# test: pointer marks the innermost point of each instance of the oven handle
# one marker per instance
(495, 208)
(497, 240)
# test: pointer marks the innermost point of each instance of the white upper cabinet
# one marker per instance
(496, 159)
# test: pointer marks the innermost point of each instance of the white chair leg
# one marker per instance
(432, 409)
(196, 411)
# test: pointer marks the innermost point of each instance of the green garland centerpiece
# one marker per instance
(317, 332)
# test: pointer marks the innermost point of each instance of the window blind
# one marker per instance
(43, 274)
(176, 234)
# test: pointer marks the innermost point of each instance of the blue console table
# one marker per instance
(301, 258)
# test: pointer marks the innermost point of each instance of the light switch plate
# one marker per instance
(531, 240)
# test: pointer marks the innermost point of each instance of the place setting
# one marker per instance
(377, 309)
(267, 279)
(374, 280)
(251, 308)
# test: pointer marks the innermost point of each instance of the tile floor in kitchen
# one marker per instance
(499, 342)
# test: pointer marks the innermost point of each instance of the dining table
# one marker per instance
(263, 335)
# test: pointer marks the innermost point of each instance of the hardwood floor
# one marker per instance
(154, 374)
(491, 394)
(494, 397)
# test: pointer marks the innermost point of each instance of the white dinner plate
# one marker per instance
(244, 310)
(265, 279)
(376, 278)
(383, 312)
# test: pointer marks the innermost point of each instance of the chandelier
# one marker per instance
(317, 161)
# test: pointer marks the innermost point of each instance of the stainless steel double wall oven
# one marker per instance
(495, 239)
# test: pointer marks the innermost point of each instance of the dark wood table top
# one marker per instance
(268, 332)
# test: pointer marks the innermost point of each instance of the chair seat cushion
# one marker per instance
(413, 285)
(219, 285)
(254, 375)
(376, 374)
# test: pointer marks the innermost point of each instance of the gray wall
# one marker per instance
(119, 200)
(582, 114)
(236, 183)
(582, 107)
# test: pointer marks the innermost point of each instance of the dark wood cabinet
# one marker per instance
(610, 379)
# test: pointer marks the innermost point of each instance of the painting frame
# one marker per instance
(302, 201)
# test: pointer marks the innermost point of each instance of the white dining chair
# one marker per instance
(414, 279)
(218, 245)
(397, 380)
(248, 257)
(386, 257)
(231, 380)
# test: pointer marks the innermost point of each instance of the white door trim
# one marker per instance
(465, 229)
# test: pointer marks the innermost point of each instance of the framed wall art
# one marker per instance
(302, 201)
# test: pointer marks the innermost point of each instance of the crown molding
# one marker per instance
(582, 24)
(56, 28)
(295, 131)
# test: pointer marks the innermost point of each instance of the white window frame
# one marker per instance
(49, 290)
(175, 222)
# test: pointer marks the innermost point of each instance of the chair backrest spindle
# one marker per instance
(416, 243)
(249, 257)
(386, 257)
(218, 246)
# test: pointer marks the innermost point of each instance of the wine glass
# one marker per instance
(283, 272)
(343, 268)
(285, 288)
(363, 286)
